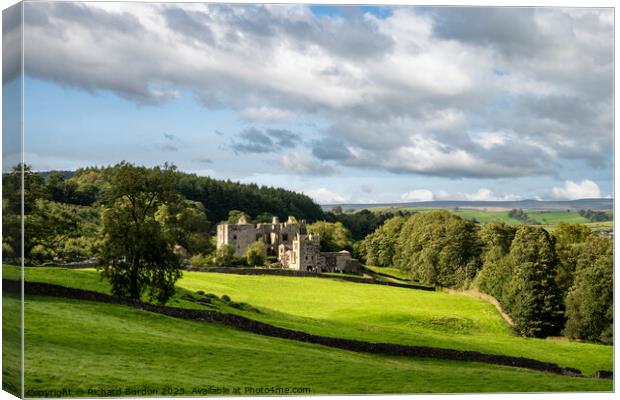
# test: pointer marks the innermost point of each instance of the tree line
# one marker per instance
(139, 222)
(87, 187)
(549, 283)
(596, 216)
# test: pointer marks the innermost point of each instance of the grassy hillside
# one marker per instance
(11, 344)
(368, 312)
(542, 217)
(380, 313)
(394, 272)
(547, 218)
(105, 346)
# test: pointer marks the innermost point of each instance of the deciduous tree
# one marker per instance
(334, 236)
(256, 254)
(589, 304)
(137, 255)
(439, 248)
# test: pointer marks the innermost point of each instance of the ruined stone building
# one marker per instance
(290, 242)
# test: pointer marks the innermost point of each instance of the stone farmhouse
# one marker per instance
(290, 242)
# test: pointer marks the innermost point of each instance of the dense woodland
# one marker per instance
(549, 283)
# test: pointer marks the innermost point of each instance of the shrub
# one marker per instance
(200, 260)
(225, 256)
(256, 254)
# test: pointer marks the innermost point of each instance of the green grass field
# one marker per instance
(394, 272)
(82, 345)
(545, 218)
(11, 344)
(542, 217)
(388, 314)
(367, 312)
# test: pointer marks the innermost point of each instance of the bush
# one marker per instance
(7, 251)
(225, 298)
(224, 256)
(255, 254)
(40, 255)
(243, 306)
(200, 260)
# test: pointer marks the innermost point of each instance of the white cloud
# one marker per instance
(586, 189)
(325, 196)
(483, 194)
(418, 195)
(431, 157)
(488, 140)
(266, 114)
(294, 162)
(354, 73)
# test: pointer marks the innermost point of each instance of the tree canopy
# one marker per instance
(334, 236)
(589, 304)
(438, 248)
(379, 247)
(137, 255)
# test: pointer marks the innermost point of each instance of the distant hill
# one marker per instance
(537, 205)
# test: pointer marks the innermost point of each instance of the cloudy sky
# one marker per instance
(346, 104)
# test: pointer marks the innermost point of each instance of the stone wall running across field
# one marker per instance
(261, 328)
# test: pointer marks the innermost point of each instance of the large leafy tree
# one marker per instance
(364, 222)
(186, 224)
(496, 270)
(256, 253)
(47, 224)
(47, 228)
(438, 248)
(380, 246)
(334, 236)
(589, 304)
(137, 254)
(532, 297)
(569, 242)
